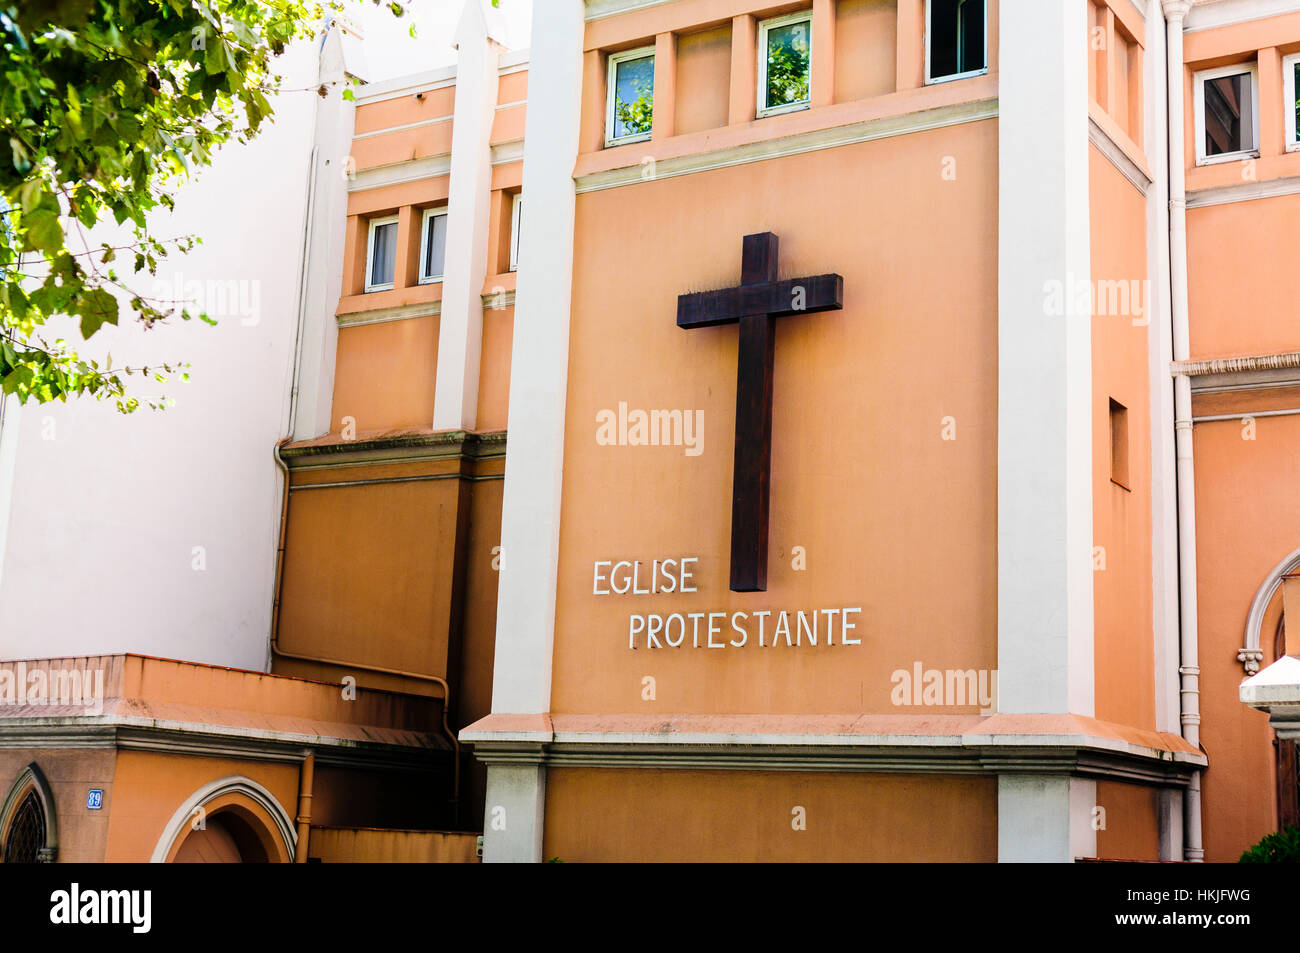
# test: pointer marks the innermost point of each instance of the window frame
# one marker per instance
(515, 204)
(371, 227)
(611, 91)
(426, 217)
(934, 80)
(764, 26)
(1290, 89)
(1199, 78)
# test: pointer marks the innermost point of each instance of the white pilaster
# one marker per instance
(530, 518)
(1045, 607)
(1045, 819)
(10, 415)
(322, 274)
(512, 823)
(460, 327)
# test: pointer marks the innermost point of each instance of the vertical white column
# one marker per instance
(1164, 494)
(460, 326)
(10, 415)
(1045, 607)
(323, 246)
(530, 518)
(516, 800)
(1045, 819)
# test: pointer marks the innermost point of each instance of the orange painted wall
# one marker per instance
(494, 368)
(703, 75)
(369, 571)
(70, 773)
(1247, 519)
(384, 374)
(1132, 830)
(1123, 640)
(686, 815)
(893, 518)
(866, 48)
(401, 110)
(1240, 303)
(149, 787)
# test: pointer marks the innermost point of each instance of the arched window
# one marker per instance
(28, 833)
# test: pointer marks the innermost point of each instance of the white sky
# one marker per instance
(390, 52)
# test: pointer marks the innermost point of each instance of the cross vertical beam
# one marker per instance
(751, 474)
(755, 305)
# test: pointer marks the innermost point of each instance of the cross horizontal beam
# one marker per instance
(705, 309)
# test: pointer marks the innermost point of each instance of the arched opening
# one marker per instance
(28, 829)
(224, 838)
(26, 834)
(229, 820)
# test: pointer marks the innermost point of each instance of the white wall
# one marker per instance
(106, 510)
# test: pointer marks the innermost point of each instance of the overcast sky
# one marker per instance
(390, 52)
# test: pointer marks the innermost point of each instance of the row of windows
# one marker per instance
(955, 48)
(1227, 110)
(381, 247)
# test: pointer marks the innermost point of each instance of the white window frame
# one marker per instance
(374, 224)
(425, 278)
(514, 230)
(1289, 91)
(932, 80)
(611, 91)
(1198, 97)
(762, 111)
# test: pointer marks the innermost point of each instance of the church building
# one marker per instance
(839, 430)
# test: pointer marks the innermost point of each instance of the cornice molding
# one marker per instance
(600, 9)
(399, 447)
(1118, 157)
(214, 741)
(354, 319)
(1087, 757)
(1244, 192)
(872, 129)
(396, 173)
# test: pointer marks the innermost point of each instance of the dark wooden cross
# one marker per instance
(754, 305)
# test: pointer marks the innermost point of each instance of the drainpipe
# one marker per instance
(306, 776)
(1188, 670)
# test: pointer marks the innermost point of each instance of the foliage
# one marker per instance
(1280, 848)
(105, 107)
(636, 117)
(787, 67)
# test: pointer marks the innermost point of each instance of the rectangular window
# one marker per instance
(1227, 114)
(1291, 100)
(955, 39)
(1119, 444)
(381, 253)
(784, 64)
(433, 245)
(516, 218)
(631, 97)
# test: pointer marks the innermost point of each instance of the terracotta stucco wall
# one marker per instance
(1123, 641)
(892, 517)
(684, 815)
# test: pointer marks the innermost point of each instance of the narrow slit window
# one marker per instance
(631, 97)
(784, 64)
(1227, 117)
(516, 219)
(1119, 444)
(955, 39)
(381, 254)
(433, 245)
